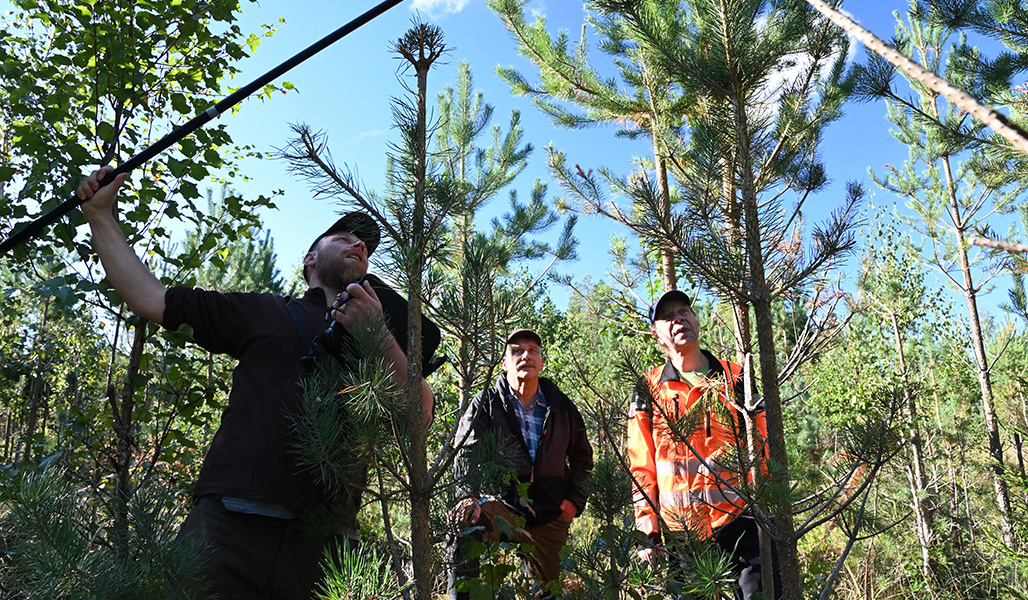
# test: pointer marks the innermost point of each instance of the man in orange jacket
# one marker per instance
(687, 445)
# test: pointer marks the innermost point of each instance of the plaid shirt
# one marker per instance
(530, 419)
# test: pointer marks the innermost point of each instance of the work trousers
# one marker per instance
(542, 565)
(740, 539)
(253, 556)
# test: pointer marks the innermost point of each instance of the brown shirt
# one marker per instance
(250, 456)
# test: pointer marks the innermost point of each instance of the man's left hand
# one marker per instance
(567, 510)
(362, 304)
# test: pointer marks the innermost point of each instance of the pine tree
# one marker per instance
(571, 91)
(469, 280)
(952, 194)
(724, 55)
(1005, 20)
(481, 287)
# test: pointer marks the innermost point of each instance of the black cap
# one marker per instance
(357, 223)
(672, 295)
(520, 334)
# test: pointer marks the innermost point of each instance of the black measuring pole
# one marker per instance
(34, 228)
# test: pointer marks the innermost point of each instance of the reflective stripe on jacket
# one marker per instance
(682, 479)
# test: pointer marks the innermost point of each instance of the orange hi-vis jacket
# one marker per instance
(670, 474)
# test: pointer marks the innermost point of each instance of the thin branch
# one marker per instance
(1007, 246)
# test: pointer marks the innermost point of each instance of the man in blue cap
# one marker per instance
(688, 448)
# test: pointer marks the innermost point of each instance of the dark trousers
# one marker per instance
(253, 556)
(740, 539)
(542, 565)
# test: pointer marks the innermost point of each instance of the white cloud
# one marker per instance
(537, 9)
(438, 8)
(367, 134)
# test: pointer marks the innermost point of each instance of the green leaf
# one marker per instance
(253, 41)
(105, 131)
(177, 167)
(180, 103)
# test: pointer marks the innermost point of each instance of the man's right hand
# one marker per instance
(649, 554)
(465, 514)
(99, 200)
(131, 278)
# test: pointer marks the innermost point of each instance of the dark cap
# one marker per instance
(524, 334)
(357, 223)
(672, 295)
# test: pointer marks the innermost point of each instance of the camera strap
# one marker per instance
(301, 328)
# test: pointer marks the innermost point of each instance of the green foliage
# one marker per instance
(483, 285)
(127, 416)
(339, 428)
(603, 556)
(357, 575)
(161, 62)
(474, 282)
(236, 260)
(644, 101)
(60, 541)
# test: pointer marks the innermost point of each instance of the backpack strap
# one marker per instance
(301, 330)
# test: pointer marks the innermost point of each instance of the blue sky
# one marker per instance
(345, 91)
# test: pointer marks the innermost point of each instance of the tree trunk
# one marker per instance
(667, 253)
(761, 301)
(984, 375)
(989, 116)
(1018, 447)
(733, 229)
(420, 482)
(920, 504)
(613, 569)
(36, 388)
(956, 533)
(125, 439)
(8, 436)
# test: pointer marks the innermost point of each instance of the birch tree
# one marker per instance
(952, 187)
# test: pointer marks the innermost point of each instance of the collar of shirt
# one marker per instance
(538, 401)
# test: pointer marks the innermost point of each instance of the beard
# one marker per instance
(337, 272)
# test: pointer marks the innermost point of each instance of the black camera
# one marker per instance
(335, 339)
(332, 339)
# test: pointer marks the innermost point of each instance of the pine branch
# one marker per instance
(990, 117)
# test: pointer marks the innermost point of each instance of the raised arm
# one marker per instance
(133, 281)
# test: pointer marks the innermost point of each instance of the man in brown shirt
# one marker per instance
(250, 492)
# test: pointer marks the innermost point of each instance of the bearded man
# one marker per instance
(251, 493)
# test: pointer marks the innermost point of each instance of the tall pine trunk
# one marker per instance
(981, 361)
(427, 51)
(756, 283)
(667, 252)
